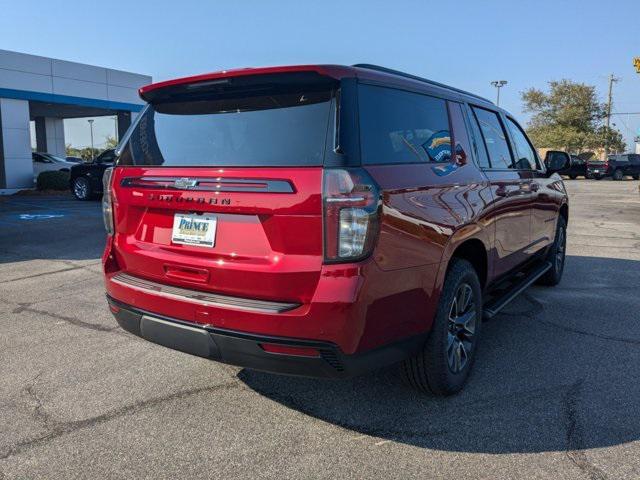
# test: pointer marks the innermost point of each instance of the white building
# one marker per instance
(47, 91)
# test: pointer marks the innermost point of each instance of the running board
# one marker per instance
(492, 308)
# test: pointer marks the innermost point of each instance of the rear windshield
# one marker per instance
(255, 129)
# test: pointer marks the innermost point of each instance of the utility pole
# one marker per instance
(612, 79)
(498, 84)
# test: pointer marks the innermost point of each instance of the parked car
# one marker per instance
(616, 166)
(75, 159)
(43, 162)
(327, 220)
(576, 168)
(86, 177)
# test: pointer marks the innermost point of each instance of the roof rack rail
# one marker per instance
(391, 71)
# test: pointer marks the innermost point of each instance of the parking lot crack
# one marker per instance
(575, 437)
(600, 336)
(42, 274)
(39, 412)
(59, 429)
(534, 313)
(71, 320)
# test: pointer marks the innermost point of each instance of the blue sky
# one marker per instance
(463, 43)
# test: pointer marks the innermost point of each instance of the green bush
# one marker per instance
(53, 180)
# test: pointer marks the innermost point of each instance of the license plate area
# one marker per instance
(193, 229)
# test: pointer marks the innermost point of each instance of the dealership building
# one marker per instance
(47, 91)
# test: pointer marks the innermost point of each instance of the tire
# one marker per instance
(636, 177)
(618, 175)
(443, 365)
(573, 177)
(598, 177)
(556, 256)
(81, 188)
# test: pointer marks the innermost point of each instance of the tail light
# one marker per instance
(351, 200)
(107, 201)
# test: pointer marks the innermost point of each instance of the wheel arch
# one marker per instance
(473, 251)
(471, 243)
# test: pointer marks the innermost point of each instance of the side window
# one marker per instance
(402, 127)
(494, 137)
(478, 143)
(526, 156)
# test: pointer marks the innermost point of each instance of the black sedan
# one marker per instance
(86, 178)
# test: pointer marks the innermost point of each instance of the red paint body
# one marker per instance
(269, 246)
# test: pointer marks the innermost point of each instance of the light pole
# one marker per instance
(498, 84)
(91, 128)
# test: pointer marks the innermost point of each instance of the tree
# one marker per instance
(110, 142)
(569, 117)
(86, 154)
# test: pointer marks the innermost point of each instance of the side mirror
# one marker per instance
(556, 160)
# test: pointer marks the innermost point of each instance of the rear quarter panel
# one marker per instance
(427, 211)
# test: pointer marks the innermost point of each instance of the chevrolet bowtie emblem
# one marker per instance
(185, 183)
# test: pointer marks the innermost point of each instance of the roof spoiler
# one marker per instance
(228, 79)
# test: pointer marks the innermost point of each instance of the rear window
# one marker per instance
(253, 129)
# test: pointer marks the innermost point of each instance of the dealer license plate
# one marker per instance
(189, 229)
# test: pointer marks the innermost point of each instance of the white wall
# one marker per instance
(16, 143)
(31, 73)
(20, 71)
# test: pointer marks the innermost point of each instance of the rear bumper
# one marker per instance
(598, 171)
(246, 350)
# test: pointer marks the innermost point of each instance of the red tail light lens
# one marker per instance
(107, 201)
(351, 200)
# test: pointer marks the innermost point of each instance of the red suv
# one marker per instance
(326, 220)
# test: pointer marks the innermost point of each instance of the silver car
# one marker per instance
(43, 162)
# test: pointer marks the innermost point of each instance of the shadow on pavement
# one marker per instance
(559, 370)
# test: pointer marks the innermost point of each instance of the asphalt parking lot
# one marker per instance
(554, 394)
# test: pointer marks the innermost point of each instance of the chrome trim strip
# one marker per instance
(345, 199)
(218, 184)
(202, 298)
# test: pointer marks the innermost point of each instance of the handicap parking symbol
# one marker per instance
(40, 216)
